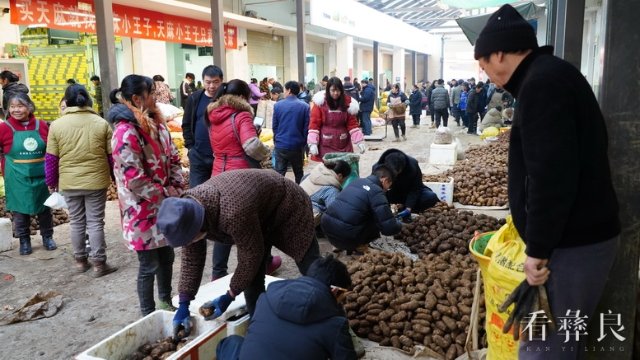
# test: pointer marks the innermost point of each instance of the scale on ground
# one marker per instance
(377, 137)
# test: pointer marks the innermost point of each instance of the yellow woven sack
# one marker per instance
(505, 271)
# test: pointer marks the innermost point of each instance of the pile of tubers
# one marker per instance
(403, 303)
(59, 217)
(481, 178)
(159, 350)
(444, 228)
(112, 192)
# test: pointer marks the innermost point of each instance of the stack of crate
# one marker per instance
(49, 68)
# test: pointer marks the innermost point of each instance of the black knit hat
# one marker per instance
(506, 30)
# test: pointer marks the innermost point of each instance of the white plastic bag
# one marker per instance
(168, 111)
(56, 201)
(443, 136)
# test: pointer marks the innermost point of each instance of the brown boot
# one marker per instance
(101, 268)
(82, 265)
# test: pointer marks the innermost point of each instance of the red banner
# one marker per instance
(128, 21)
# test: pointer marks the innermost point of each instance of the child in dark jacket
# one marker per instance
(361, 212)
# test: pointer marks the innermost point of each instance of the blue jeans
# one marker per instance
(200, 168)
(158, 264)
(229, 348)
(284, 157)
(366, 122)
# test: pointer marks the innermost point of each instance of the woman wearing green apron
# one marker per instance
(23, 142)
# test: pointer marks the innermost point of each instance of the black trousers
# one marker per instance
(442, 114)
(399, 122)
(22, 222)
(285, 157)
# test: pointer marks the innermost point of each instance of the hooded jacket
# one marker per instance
(493, 117)
(228, 151)
(360, 207)
(144, 166)
(319, 113)
(322, 186)
(298, 319)
(10, 89)
(407, 185)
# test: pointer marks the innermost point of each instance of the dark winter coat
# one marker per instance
(189, 117)
(351, 90)
(367, 98)
(360, 207)
(415, 103)
(407, 185)
(473, 101)
(298, 319)
(440, 98)
(560, 190)
(253, 209)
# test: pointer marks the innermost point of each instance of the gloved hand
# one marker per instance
(219, 305)
(313, 149)
(407, 102)
(182, 320)
(526, 299)
(362, 147)
(404, 214)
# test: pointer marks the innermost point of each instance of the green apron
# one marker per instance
(26, 190)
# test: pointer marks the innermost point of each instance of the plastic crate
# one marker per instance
(155, 326)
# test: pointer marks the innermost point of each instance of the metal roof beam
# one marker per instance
(413, 9)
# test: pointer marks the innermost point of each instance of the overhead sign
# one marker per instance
(128, 21)
(355, 19)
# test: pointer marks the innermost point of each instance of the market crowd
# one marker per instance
(231, 200)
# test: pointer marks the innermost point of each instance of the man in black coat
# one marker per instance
(473, 105)
(560, 192)
(361, 212)
(408, 189)
(298, 319)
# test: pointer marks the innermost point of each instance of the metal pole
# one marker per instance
(442, 58)
(569, 24)
(376, 70)
(623, 124)
(106, 51)
(426, 67)
(217, 31)
(302, 53)
(414, 68)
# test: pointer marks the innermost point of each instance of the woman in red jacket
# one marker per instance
(334, 126)
(23, 140)
(235, 145)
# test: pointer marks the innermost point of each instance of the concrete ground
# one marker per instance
(96, 308)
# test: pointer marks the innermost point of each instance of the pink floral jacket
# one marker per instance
(145, 165)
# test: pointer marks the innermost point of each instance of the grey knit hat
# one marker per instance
(506, 30)
(180, 220)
